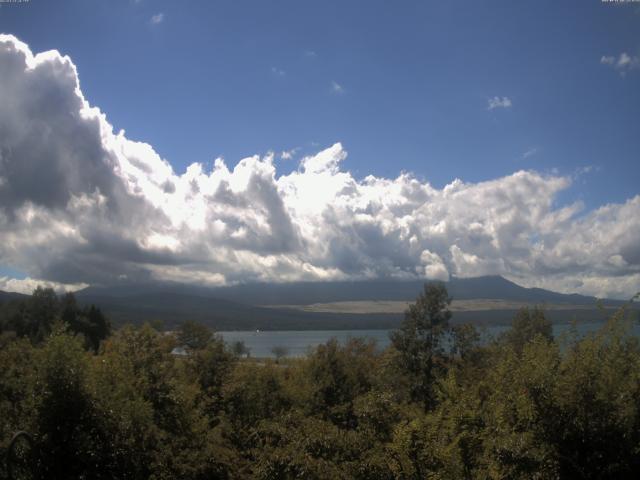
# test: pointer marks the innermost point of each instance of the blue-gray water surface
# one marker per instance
(299, 342)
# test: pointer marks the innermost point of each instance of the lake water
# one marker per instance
(299, 342)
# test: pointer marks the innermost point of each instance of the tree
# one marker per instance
(39, 314)
(418, 341)
(68, 434)
(280, 351)
(88, 321)
(211, 367)
(336, 376)
(465, 339)
(69, 309)
(194, 335)
(526, 325)
(240, 349)
(35, 316)
(167, 431)
(100, 327)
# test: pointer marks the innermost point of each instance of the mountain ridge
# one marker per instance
(264, 306)
(303, 293)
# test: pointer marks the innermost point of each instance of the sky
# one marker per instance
(217, 142)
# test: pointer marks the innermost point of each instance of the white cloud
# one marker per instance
(157, 19)
(623, 63)
(584, 170)
(434, 267)
(529, 153)
(337, 88)
(288, 154)
(82, 204)
(28, 285)
(608, 60)
(278, 72)
(497, 102)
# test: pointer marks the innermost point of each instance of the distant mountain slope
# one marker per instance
(305, 293)
(142, 304)
(171, 308)
(7, 296)
(255, 306)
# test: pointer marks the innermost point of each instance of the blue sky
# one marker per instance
(444, 90)
(235, 78)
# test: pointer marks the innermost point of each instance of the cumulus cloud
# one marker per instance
(82, 204)
(497, 102)
(622, 63)
(157, 18)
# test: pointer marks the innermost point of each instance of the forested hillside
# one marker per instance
(102, 405)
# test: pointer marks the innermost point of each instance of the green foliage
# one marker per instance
(299, 446)
(336, 376)
(253, 395)
(32, 318)
(210, 368)
(194, 335)
(523, 407)
(419, 340)
(35, 317)
(465, 340)
(240, 349)
(279, 351)
(18, 376)
(67, 432)
(527, 324)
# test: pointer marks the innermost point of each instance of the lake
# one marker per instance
(299, 342)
